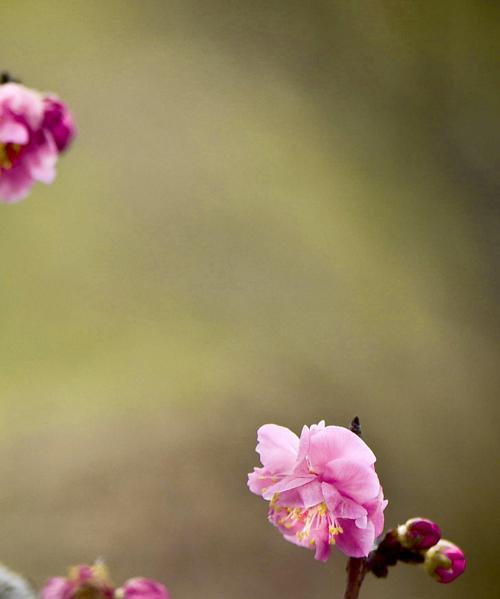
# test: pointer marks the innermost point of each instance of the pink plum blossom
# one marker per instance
(142, 588)
(34, 130)
(322, 488)
(93, 582)
(445, 561)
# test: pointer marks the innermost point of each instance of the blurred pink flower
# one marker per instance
(142, 588)
(89, 582)
(322, 488)
(34, 130)
(93, 582)
(445, 561)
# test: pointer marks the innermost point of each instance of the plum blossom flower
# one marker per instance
(418, 533)
(445, 561)
(322, 488)
(93, 582)
(34, 129)
(82, 582)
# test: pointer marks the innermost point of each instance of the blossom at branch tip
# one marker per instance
(34, 129)
(445, 561)
(322, 488)
(418, 533)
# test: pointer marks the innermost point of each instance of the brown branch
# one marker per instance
(356, 570)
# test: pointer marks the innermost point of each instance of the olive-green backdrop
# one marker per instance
(275, 211)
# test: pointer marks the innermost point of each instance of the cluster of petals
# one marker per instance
(93, 582)
(322, 488)
(34, 129)
(445, 561)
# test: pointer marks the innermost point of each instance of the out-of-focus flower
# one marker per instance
(418, 533)
(445, 561)
(82, 582)
(93, 582)
(34, 130)
(14, 586)
(142, 588)
(323, 488)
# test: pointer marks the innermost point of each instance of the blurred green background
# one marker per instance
(276, 211)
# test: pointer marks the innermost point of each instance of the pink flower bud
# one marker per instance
(142, 588)
(445, 561)
(418, 533)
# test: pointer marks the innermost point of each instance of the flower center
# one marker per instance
(8, 154)
(306, 523)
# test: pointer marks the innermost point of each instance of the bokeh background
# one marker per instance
(276, 211)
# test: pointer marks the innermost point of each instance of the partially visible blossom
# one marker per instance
(82, 582)
(93, 582)
(418, 533)
(445, 561)
(322, 488)
(142, 588)
(34, 130)
(14, 586)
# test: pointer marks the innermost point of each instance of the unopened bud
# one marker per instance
(445, 561)
(418, 533)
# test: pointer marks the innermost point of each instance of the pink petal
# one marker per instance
(376, 509)
(13, 132)
(339, 506)
(323, 549)
(352, 479)
(57, 588)
(41, 161)
(15, 184)
(286, 484)
(354, 541)
(335, 442)
(311, 493)
(277, 447)
(305, 436)
(260, 480)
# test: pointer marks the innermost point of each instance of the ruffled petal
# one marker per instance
(334, 442)
(354, 541)
(339, 506)
(277, 447)
(352, 479)
(311, 493)
(288, 483)
(260, 480)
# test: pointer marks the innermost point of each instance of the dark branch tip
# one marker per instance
(6, 77)
(356, 426)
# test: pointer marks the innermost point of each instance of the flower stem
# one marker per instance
(356, 570)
